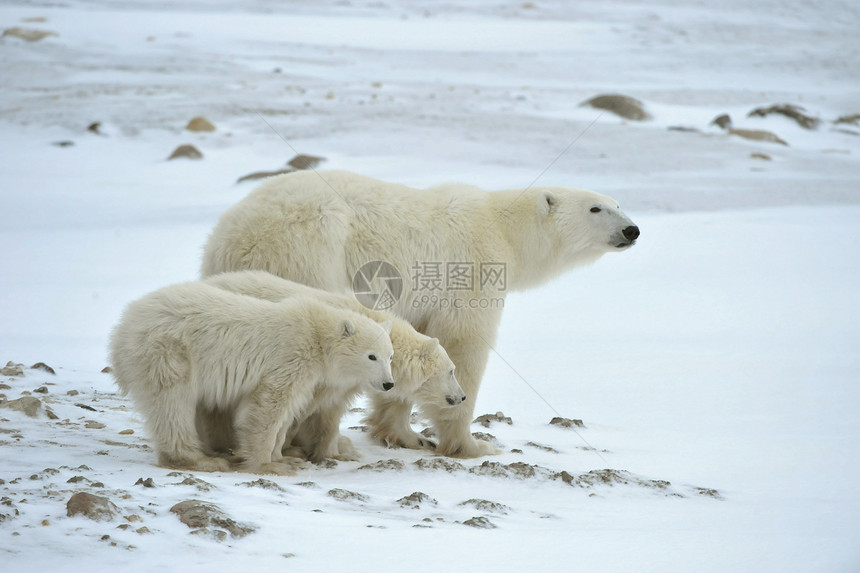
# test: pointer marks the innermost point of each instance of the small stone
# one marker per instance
(50, 413)
(72, 393)
(28, 405)
(263, 483)
(486, 506)
(145, 482)
(415, 499)
(42, 366)
(486, 419)
(762, 156)
(853, 119)
(757, 135)
(95, 127)
(346, 495)
(621, 105)
(186, 151)
(64, 143)
(142, 531)
(480, 523)
(106, 370)
(126, 432)
(85, 407)
(91, 506)
(45, 523)
(76, 479)
(723, 121)
(41, 390)
(566, 422)
(93, 425)
(27, 34)
(199, 124)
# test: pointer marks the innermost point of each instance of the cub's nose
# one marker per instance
(452, 400)
(631, 233)
(387, 386)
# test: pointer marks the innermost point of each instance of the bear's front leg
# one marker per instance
(389, 422)
(259, 419)
(453, 425)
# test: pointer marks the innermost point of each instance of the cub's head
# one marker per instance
(364, 353)
(583, 225)
(429, 376)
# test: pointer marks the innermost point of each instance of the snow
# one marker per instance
(719, 353)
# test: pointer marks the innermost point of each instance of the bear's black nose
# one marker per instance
(631, 233)
(387, 386)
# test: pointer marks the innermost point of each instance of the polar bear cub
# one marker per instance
(423, 374)
(194, 345)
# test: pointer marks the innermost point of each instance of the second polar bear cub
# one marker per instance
(194, 345)
(423, 373)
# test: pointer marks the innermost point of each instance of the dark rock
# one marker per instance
(95, 127)
(148, 482)
(302, 162)
(790, 111)
(621, 105)
(201, 515)
(762, 156)
(263, 174)
(91, 506)
(186, 151)
(42, 366)
(41, 390)
(85, 407)
(723, 121)
(64, 143)
(93, 425)
(106, 370)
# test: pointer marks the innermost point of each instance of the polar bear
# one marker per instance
(194, 345)
(457, 249)
(423, 374)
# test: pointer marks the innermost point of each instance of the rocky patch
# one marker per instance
(208, 519)
(92, 507)
(621, 105)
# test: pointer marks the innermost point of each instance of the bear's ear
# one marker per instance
(429, 346)
(546, 202)
(386, 326)
(347, 328)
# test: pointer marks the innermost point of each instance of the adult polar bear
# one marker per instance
(463, 248)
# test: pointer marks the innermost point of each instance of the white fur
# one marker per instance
(319, 228)
(194, 346)
(423, 374)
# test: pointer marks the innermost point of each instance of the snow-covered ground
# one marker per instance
(719, 355)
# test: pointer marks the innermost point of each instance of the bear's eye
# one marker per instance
(595, 209)
(372, 356)
(390, 358)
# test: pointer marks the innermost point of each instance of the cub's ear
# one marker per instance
(386, 326)
(546, 202)
(347, 328)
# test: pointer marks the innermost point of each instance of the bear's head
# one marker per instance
(427, 374)
(573, 227)
(362, 353)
